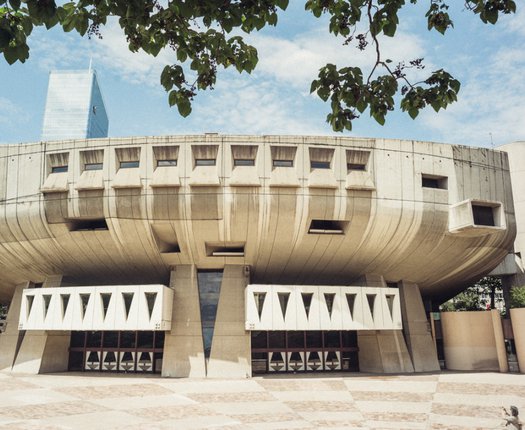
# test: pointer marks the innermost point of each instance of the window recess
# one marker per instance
(318, 226)
(433, 181)
(221, 250)
(87, 224)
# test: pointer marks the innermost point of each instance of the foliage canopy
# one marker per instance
(201, 34)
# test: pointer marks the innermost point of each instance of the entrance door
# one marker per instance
(116, 351)
(304, 351)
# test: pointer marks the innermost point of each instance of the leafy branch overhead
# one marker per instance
(200, 34)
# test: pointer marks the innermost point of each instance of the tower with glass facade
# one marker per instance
(74, 107)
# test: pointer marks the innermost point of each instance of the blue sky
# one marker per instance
(488, 60)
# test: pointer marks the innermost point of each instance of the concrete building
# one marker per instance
(74, 107)
(226, 256)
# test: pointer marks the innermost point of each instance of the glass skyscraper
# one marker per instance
(74, 107)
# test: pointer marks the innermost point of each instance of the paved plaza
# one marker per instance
(446, 400)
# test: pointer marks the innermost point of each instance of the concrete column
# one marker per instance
(383, 351)
(43, 351)
(500, 341)
(231, 345)
(517, 317)
(10, 339)
(183, 346)
(416, 329)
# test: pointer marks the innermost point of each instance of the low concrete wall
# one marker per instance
(517, 316)
(473, 341)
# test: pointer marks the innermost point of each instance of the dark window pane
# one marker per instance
(319, 164)
(259, 339)
(159, 339)
(59, 169)
(157, 361)
(127, 339)
(209, 284)
(314, 339)
(259, 362)
(76, 361)
(243, 162)
(354, 166)
(277, 339)
(295, 339)
(166, 163)
(349, 339)
(77, 339)
(331, 339)
(94, 339)
(93, 166)
(205, 162)
(145, 339)
(483, 215)
(129, 164)
(282, 163)
(110, 339)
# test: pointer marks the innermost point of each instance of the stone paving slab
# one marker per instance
(441, 401)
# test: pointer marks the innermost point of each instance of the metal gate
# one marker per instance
(116, 351)
(304, 351)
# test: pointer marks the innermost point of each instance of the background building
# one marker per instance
(74, 107)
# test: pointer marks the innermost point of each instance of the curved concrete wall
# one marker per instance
(158, 217)
(517, 317)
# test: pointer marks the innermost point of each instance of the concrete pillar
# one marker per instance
(416, 329)
(10, 339)
(231, 345)
(183, 345)
(383, 351)
(500, 341)
(517, 317)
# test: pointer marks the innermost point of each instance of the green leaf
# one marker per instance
(184, 106)
(173, 97)
(15, 4)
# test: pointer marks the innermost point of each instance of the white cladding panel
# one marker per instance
(112, 307)
(306, 307)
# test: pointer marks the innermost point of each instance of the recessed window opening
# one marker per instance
(483, 215)
(236, 250)
(166, 163)
(243, 162)
(319, 164)
(58, 169)
(93, 166)
(129, 164)
(87, 224)
(205, 161)
(320, 226)
(352, 167)
(432, 181)
(282, 163)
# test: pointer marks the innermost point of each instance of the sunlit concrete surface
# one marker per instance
(452, 401)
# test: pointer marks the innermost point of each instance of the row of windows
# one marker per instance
(212, 162)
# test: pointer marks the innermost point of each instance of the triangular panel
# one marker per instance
(151, 298)
(65, 302)
(390, 301)
(350, 298)
(371, 301)
(329, 299)
(307, 302)
(84, 301)
(47, 300)
(259, 302)
(30, 300)
(283, 301)
(106, 298)
(128, 300)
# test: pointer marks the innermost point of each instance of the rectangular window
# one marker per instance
(93, 166)
(129, 164)
(243, 162)
(483, 215)
(433, 181)
(355, 167)
(321, 226)
(58, 169)
(226, 251)
(319, 164)
(87, 224)
(205, 161)
(282, 163)
(166, 163)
